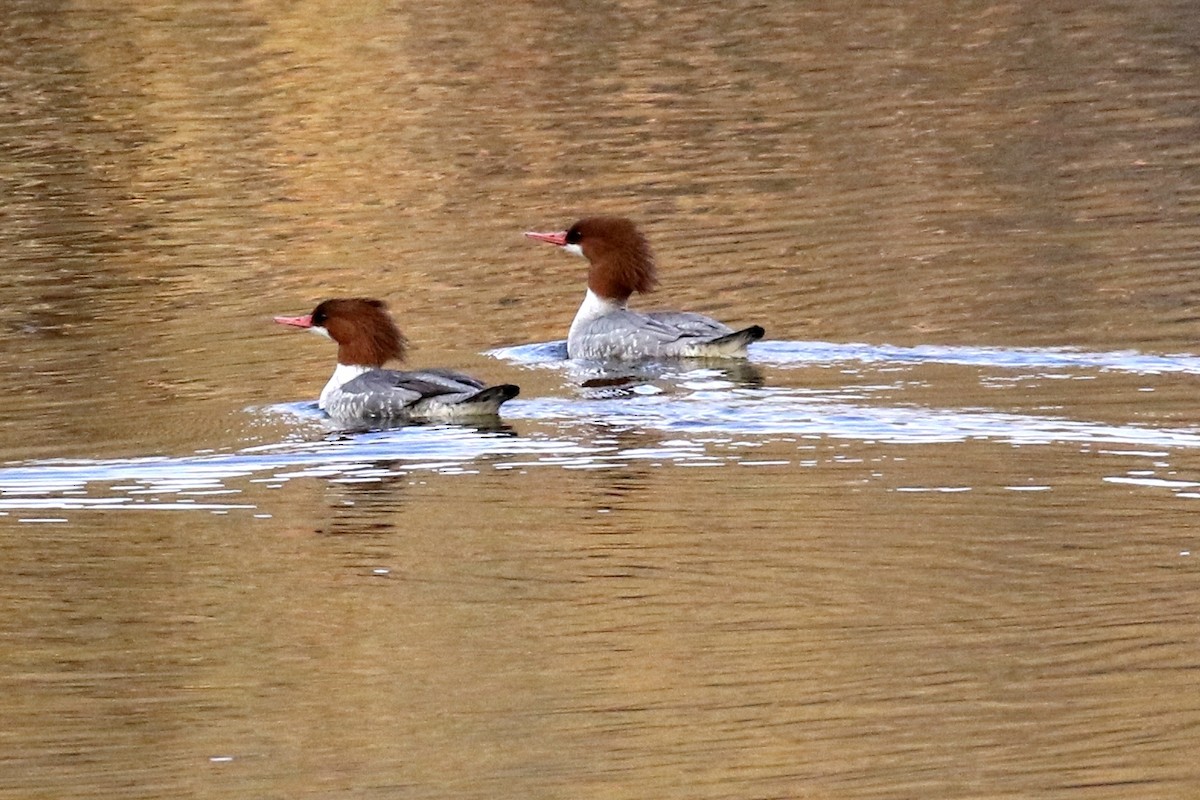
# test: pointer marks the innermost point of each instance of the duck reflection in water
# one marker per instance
(616, 380)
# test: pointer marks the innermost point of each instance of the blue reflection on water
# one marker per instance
(786, 353)
(415, 448)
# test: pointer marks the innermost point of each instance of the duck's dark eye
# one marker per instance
(318, 318)
(573, 236)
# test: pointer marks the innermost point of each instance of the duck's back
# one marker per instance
(626, 335)
(396, 394)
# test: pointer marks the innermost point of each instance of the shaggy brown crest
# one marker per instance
(364, 331)
(620, 261)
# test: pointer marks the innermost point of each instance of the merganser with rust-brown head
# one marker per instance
(361, 390)
(620, 263)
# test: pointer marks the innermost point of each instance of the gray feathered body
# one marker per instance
(429, 394)
(604, 330)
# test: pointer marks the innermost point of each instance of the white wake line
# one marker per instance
(751, 412)
(359, 454)
(789, 353)
(779, 352)
(720, 416)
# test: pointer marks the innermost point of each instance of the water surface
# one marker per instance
(933, 539)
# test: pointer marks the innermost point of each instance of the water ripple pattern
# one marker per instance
(702, 409)
(786, 353)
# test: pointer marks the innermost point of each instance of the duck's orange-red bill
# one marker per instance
(296, 322)
(559, 238)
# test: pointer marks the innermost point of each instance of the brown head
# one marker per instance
(364, 331)
(619, 258)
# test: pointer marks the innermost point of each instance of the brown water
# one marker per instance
(934, 540)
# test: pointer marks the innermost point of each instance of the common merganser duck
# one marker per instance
(620, 263)
(361, 390)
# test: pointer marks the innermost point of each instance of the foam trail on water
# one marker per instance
(789, 353)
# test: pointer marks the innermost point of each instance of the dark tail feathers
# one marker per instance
(495, 394)
(743, 337)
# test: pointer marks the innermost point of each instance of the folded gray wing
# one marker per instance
(687, 323)
(426, 383)
(657, 328)
(464, 382)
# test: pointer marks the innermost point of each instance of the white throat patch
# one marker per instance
(342, 374)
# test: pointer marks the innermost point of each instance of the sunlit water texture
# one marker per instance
(933, 539)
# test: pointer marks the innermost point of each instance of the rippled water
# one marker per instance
(934, 538)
